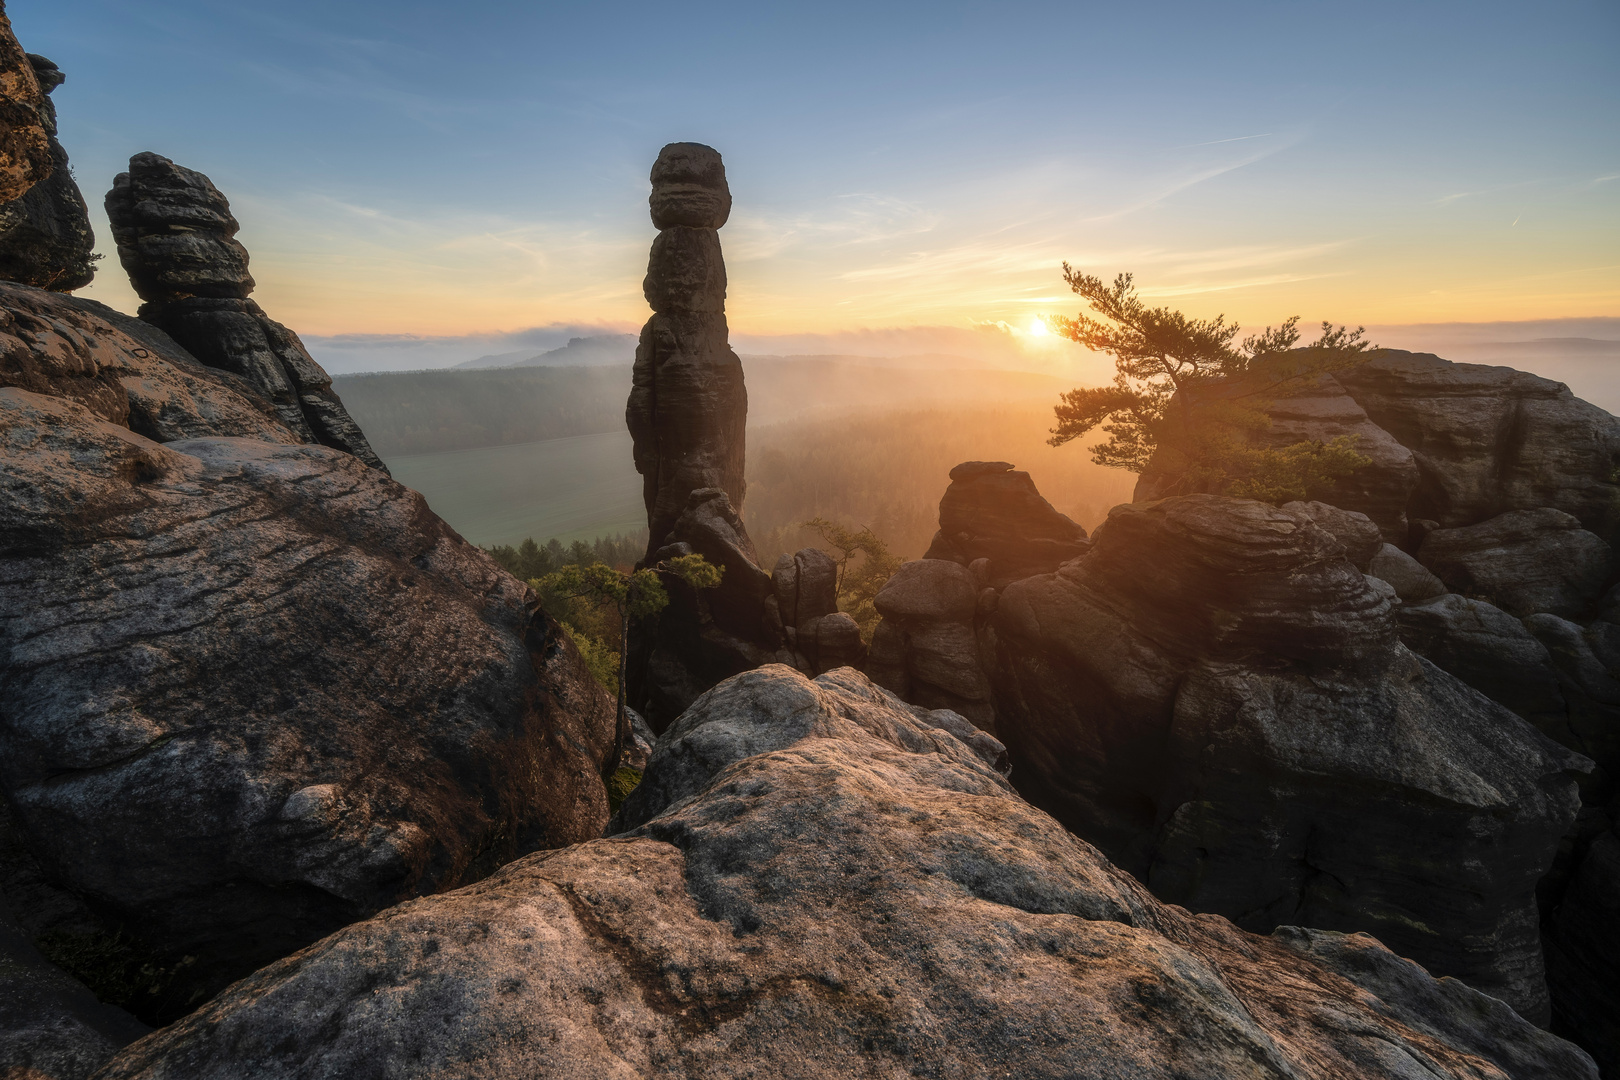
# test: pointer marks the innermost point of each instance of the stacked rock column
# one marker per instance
(177, 240)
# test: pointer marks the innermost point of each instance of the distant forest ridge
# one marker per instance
(423, 412)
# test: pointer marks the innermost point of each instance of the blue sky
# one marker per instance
(480, 167)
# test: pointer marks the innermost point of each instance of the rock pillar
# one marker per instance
(177, 240)
(687, 412)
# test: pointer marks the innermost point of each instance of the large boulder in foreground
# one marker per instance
(250, 689)
(828, 883)
(1221, 701)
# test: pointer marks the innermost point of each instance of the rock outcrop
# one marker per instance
(177, 240)
(824, 882)
(1523, 561)
(45, 234)
(927, 648)
(51, 1027)
(250, 689)
(25, 148)
(687, 413)
(1218, 699)
(805, 587)
(992, 511)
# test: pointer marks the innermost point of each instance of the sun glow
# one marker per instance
(1037, 327)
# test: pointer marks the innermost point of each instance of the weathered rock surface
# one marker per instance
(687, 413)
(828, 883)
(25, 149)
(1583, 953)
(250, 689)
(805, 587)
(1358, 533)
(992, 511)
(51, 1027)
(1410, 579)
(177, 240)
(926, 649)
(1491, 439)
(1220, 701)
(45, 234)
(1524, 562)
(1489, 650)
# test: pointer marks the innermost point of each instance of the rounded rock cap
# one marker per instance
(689, 187)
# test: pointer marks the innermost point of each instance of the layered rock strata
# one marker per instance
(250, 689)
(1217, 698)
(824, 882)
(25, 148)
(177, 240)
(687, 413)
(45, 234)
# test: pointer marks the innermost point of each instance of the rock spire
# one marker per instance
(177, 240)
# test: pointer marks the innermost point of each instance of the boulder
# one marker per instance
(51, 1026)
(176, 238)
(1523, 561)
(252, 689)
(1489, 650)
(992, 511)
(1591, 689)
(1487, 440)
(687, 413)
(823, 882)
(806, 598)
(45, 234)
(1356, 531)
(1409, 578)
(926, 650)
(1220, 701)
(25, 148)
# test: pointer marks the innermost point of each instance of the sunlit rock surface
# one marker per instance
(45, 234)
(251, 689)
(177, 240)
(25, 149)
(827, 883)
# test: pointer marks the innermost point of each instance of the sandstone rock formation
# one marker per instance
(1359, 535)
(25, 149)
(926, 650)
(805, 587)
(51, 1027)
(176, 239)
(1218, 699)
(1523, 561)
(991, 511)
(826, 883)
(686, 413)
(45, 234)
(252, 690)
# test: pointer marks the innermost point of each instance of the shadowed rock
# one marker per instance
(177, 240)
(926, 649)
(687, 414)
(45, 234)
(992, 511)
(1217, 698)
(253, 690)
(827, 883)
(805, 585)
(1524, 562)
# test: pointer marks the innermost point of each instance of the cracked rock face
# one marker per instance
(25, 148)
(45, 234)
(824, 882)
(1217, 698)
(252, 689)
(177, 239)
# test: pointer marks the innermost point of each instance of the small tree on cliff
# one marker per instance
(1186, 398)
(633, 595)
(857, 587)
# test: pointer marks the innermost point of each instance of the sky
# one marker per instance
(905, 176)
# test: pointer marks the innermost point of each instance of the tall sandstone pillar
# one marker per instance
(177, 240)
(687, 412)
